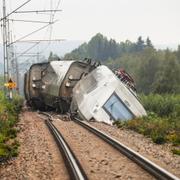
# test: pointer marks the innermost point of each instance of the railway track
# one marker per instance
(147, 165)
(74, 168)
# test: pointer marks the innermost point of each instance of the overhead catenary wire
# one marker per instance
(39, 11)
(40, 40)
(51, 20)
(53, 12)
(8, 51)
(52, 16)
(29, 21)
(27, 50)
(31, 33)
(50, 27)
(14, 10)
(12, 19)
(37, 42)
(26, 53)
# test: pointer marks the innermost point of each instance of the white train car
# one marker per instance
(102, 97)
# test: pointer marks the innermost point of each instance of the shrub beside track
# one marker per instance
(9, 111)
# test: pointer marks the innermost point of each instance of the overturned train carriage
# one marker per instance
(101, 96)
(49, 85)
(91, 91)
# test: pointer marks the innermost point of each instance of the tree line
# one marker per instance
(154, 71)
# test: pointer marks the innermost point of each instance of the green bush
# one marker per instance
(9, 111)
(162, 105)
(160, 129)
(176, 151)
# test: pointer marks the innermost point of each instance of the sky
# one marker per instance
(117, 19)
(122, 19)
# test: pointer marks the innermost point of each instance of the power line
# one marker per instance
(26, 55)
(27, 50)
(51, 19)
(29, 21)
(7, 41)
(31, 33)
(5, 17)
(38, 40)
(38, 11)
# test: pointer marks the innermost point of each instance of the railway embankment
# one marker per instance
(39, 156)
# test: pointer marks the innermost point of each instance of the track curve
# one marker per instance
(74, 168)
(150, 167)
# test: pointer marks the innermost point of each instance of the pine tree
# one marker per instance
(149, 43)
(140, 44)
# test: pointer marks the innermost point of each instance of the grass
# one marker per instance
(9, 111)
(162, 124)
(163, 105)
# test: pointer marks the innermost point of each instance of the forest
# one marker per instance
(154, 71)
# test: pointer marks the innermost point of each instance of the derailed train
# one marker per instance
(88, 89)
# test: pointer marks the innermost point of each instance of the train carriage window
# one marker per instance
(117, 109)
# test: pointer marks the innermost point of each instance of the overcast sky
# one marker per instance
(118, 19)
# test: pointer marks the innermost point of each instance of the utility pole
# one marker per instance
(5, 48)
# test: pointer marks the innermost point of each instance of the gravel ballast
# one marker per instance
(160, 154)
(99, 159)
(39, 157)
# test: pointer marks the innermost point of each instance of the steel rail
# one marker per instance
(146, 164)
(76, 171)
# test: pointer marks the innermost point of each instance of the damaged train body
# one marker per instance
(49, 85)
(91, 91)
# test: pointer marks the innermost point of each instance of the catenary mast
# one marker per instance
(5, 47)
